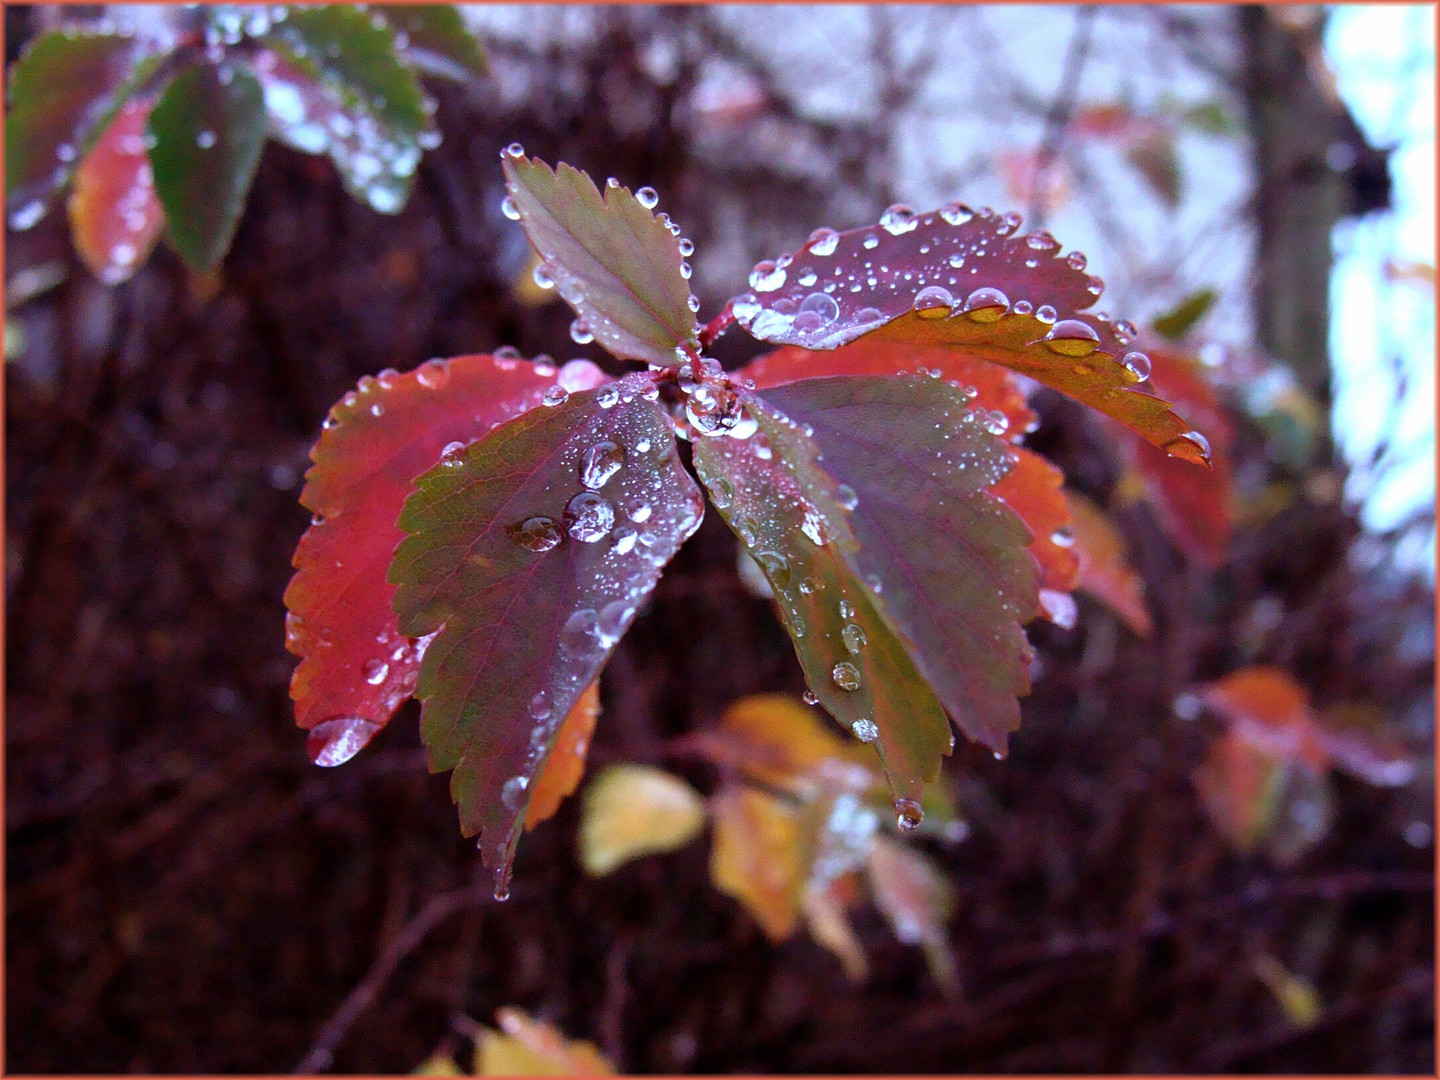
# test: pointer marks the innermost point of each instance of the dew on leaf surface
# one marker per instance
(589, 517)
(865, 730)
(1071, 337)
(1139, 365)
(647, 197)
(536, 534)
(336, 740)
(374, 671)
(599, 463)
(986, 305)
(433, 374)
(846, 676)
(854, 638)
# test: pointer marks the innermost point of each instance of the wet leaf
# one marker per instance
(561, 773)
(525, 1046)
(1193, 505)
(1178, 322)
(357, 668)
(63, 90)
(208, 127)
(523, 558)
(1268, 708)
(955, 583)
(1105, 572)
(756, 856)
(635, 810)
(115, 217)
(917, 899)
(1033, 490)
(436, 40)
(977, 287)
(611, 259)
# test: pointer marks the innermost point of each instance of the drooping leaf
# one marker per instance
(115, 217)
(1176, 323)
(917, 899)
(357, 668)
(521, 556)
(208, 129)
(828, 923)
(435, 40)
(63, 90)
(757, 856)
(967, 281)
(1193, 505)
(635, 810)
(954, 580)
(611, 259)
(561, 774)
(525, 1046)
(1105, 573)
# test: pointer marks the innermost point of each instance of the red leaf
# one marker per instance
(1105, 573)
(962, 280)
(1033, 490)
(520, 557)
(357, 668)
(1270, 710)
(611, 259)
(115, 217)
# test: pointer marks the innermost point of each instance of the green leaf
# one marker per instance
(611, 259)
(956, 579)
(1176, 323)
(208, 130)
(436, 40)
(64, 89)
(964, 280)
(529, 552)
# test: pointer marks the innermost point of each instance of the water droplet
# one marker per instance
(776, 567)
(986, 305)
(1009, 223)
(748, 530)
(541, 276)
(599, 463)
(515, 150)
(580, 333)
(509, 209)
(638, 510)
(686, 271)
(933, 302)
(898, 219)
(374, 671)
(995, 421)
(513, 791)
(589, 517)
(807, 278)
(1192, 446)
(1046, 314)
(1063, 537)
(1023, 307)
(847, 609)
(507, 352)
(846, 676)
(956, 214)
(817, 311)
(870, 243)
(721, 493)
(865, 730)
(687, 247)
(540, 706)
(336, 740)
(693, 303)
(27, 216)
(810, 697)
(846, 497)
(1139, 365)
(536, 534)
(908, 814)
(1071, 337)
(1095, 286)
(1076, 260)
(65, 152)
(808, 586)
(205, 140)
(556, 395)
(433, 374)
(767, 277)
(854, 638)
(1059, 607)
(1125, 331)
(1041, 241)
(647, 197)
(823, 241)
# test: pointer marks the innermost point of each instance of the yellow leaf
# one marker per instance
(634, 810)
(783, 739)
(757, 856)
(438, 1064)
(1298, 998)
(530, 1047)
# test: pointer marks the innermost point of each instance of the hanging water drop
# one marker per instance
(687, 247)
(336, 740)
(541, 276)
(580, 333)
(865, 730)
(515, 150)
(810, 697)
(647, 197)
(908, 814)
(1192, 446)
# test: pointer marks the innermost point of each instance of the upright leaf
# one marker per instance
(356, 667)
(63, 90)
(208, 129)
(964, 280)
(1105, 573)
(433, 38)
(611, 259)
(115, 217)
(529, 553)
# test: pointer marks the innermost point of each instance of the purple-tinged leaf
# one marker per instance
(790, 514)
(208, 129)
(115, 217)
(63, 90)
(963, 280)
(356, 667)
(529, 553)
(949, 558)
(611, 259)
(433, 39)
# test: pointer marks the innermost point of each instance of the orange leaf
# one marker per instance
(115, 216)
(560, 775)
(1271, 711)
(1033, 490)
(757, 858)
(1237, 783)
(779, 738)
(1105, 573)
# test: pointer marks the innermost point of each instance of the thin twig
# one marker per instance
(1061, 108)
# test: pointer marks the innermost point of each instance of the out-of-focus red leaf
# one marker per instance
(1032, 181)
(356, 667)
(1269, 709)
(561, 773)
(757, 856)
(1032, 489)
(115, 217)
(968, 281)
(1105, 572)
(1193, 505)
(611, 259)
(1237, 783)
(917, 899)
(63, 90)
(208, 129)
(521, 556)
(1356, 739)
(1106, 121)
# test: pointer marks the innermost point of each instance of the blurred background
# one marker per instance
(186, 893)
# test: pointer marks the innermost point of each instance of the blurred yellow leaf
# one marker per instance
(757, 856)
(781, 739)
(1298, 999)
(561, 773)
(526, 290)
(438, 1064)
(634, 810)
(528, 1047)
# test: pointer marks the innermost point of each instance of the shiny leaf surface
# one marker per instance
(611, 259)
(115, 217)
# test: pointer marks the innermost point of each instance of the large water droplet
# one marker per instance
(817, 311)
(556, 395)
(1076, 260)
(1192, 446)
(509, 209)
(1071, 337)
(767, 277)
(823, 241)
(515, 150)
(580, 333)
(721, 492)
(536, 534)
(433, 374)
(986, 305)
(854, 638)
(846, 676)
(1041, 241)
(776, 567)
(933, 302)
(898, 219)
(908, 814)
(336, 740)
(589, 517)
(1138, 364)
(865, 730)
(541, 276)
(647, 197)
(956, 214)
(599, 463)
